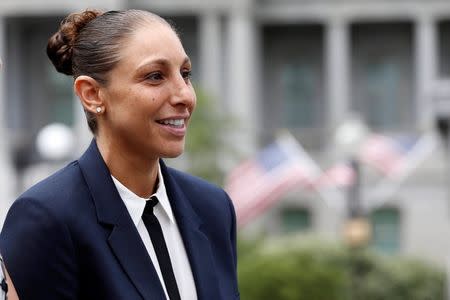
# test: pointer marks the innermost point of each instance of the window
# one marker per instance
(386, 230)
(187, 28)
(298, 81)
(293, 84)
(444, 48)
(60, 96)
(295, 220)
(382, 75)
(36, 93)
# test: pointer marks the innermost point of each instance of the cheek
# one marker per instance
(129, 116)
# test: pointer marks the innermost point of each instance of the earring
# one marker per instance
(99, 109)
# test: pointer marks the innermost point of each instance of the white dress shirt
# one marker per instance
(163, 211)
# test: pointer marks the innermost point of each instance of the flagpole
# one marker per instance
(441, 103)
(443, 126)
(354, 193)
(446, 139)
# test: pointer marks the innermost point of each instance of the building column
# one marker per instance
(211, 71)
(80, 128)
(7, 173)
(426, 69)
(338, 70)
(241, 81)
(117, 4)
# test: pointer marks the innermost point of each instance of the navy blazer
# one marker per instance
(71, 237)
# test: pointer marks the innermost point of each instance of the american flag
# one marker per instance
(384, 191)
(340, 175)
(259, 182)
(384, 153)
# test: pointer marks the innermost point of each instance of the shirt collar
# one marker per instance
(135, 204)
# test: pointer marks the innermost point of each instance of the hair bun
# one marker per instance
(60, 45)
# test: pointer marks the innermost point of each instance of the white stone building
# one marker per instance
(297, 64)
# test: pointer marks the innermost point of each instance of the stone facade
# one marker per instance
(244, 50)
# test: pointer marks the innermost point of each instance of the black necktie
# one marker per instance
(159, 244)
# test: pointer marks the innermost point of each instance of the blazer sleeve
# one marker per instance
(38, 252)
(233, 230)
(233, 234)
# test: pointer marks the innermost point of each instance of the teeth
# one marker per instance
(174, 122)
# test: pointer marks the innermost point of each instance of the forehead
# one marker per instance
(152, 40)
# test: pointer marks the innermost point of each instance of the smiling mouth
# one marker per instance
(176, 123)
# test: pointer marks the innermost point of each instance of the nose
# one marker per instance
(183, 92)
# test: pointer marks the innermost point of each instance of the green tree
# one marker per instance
(206, 145)
(295, 268)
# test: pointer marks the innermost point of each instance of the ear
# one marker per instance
(87, 90)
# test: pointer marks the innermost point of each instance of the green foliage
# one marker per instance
(292, 270)
(205, 143)
(396, 278)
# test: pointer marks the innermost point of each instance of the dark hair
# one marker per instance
(88, 43)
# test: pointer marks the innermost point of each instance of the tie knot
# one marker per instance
(149, 204)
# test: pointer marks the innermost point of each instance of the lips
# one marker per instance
(177, 123)
(174, 126)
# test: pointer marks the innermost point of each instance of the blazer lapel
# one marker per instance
(195, 241)
(124, 240)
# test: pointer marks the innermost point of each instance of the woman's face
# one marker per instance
(149, 97)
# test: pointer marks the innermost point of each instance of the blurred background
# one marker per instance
(353, 203)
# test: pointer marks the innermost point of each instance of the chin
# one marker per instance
(173, 152)
(172, 155)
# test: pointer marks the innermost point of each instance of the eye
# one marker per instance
(155, 76)
(187, 74)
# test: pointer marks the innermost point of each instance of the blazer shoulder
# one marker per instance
(58, 189)
(206, 198)
(194, 184)
(37, 239)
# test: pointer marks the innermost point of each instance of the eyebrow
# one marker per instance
(162, 62)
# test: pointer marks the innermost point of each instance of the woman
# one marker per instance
(7, 291)
(117, 223)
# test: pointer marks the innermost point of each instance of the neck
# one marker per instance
(138, 174)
